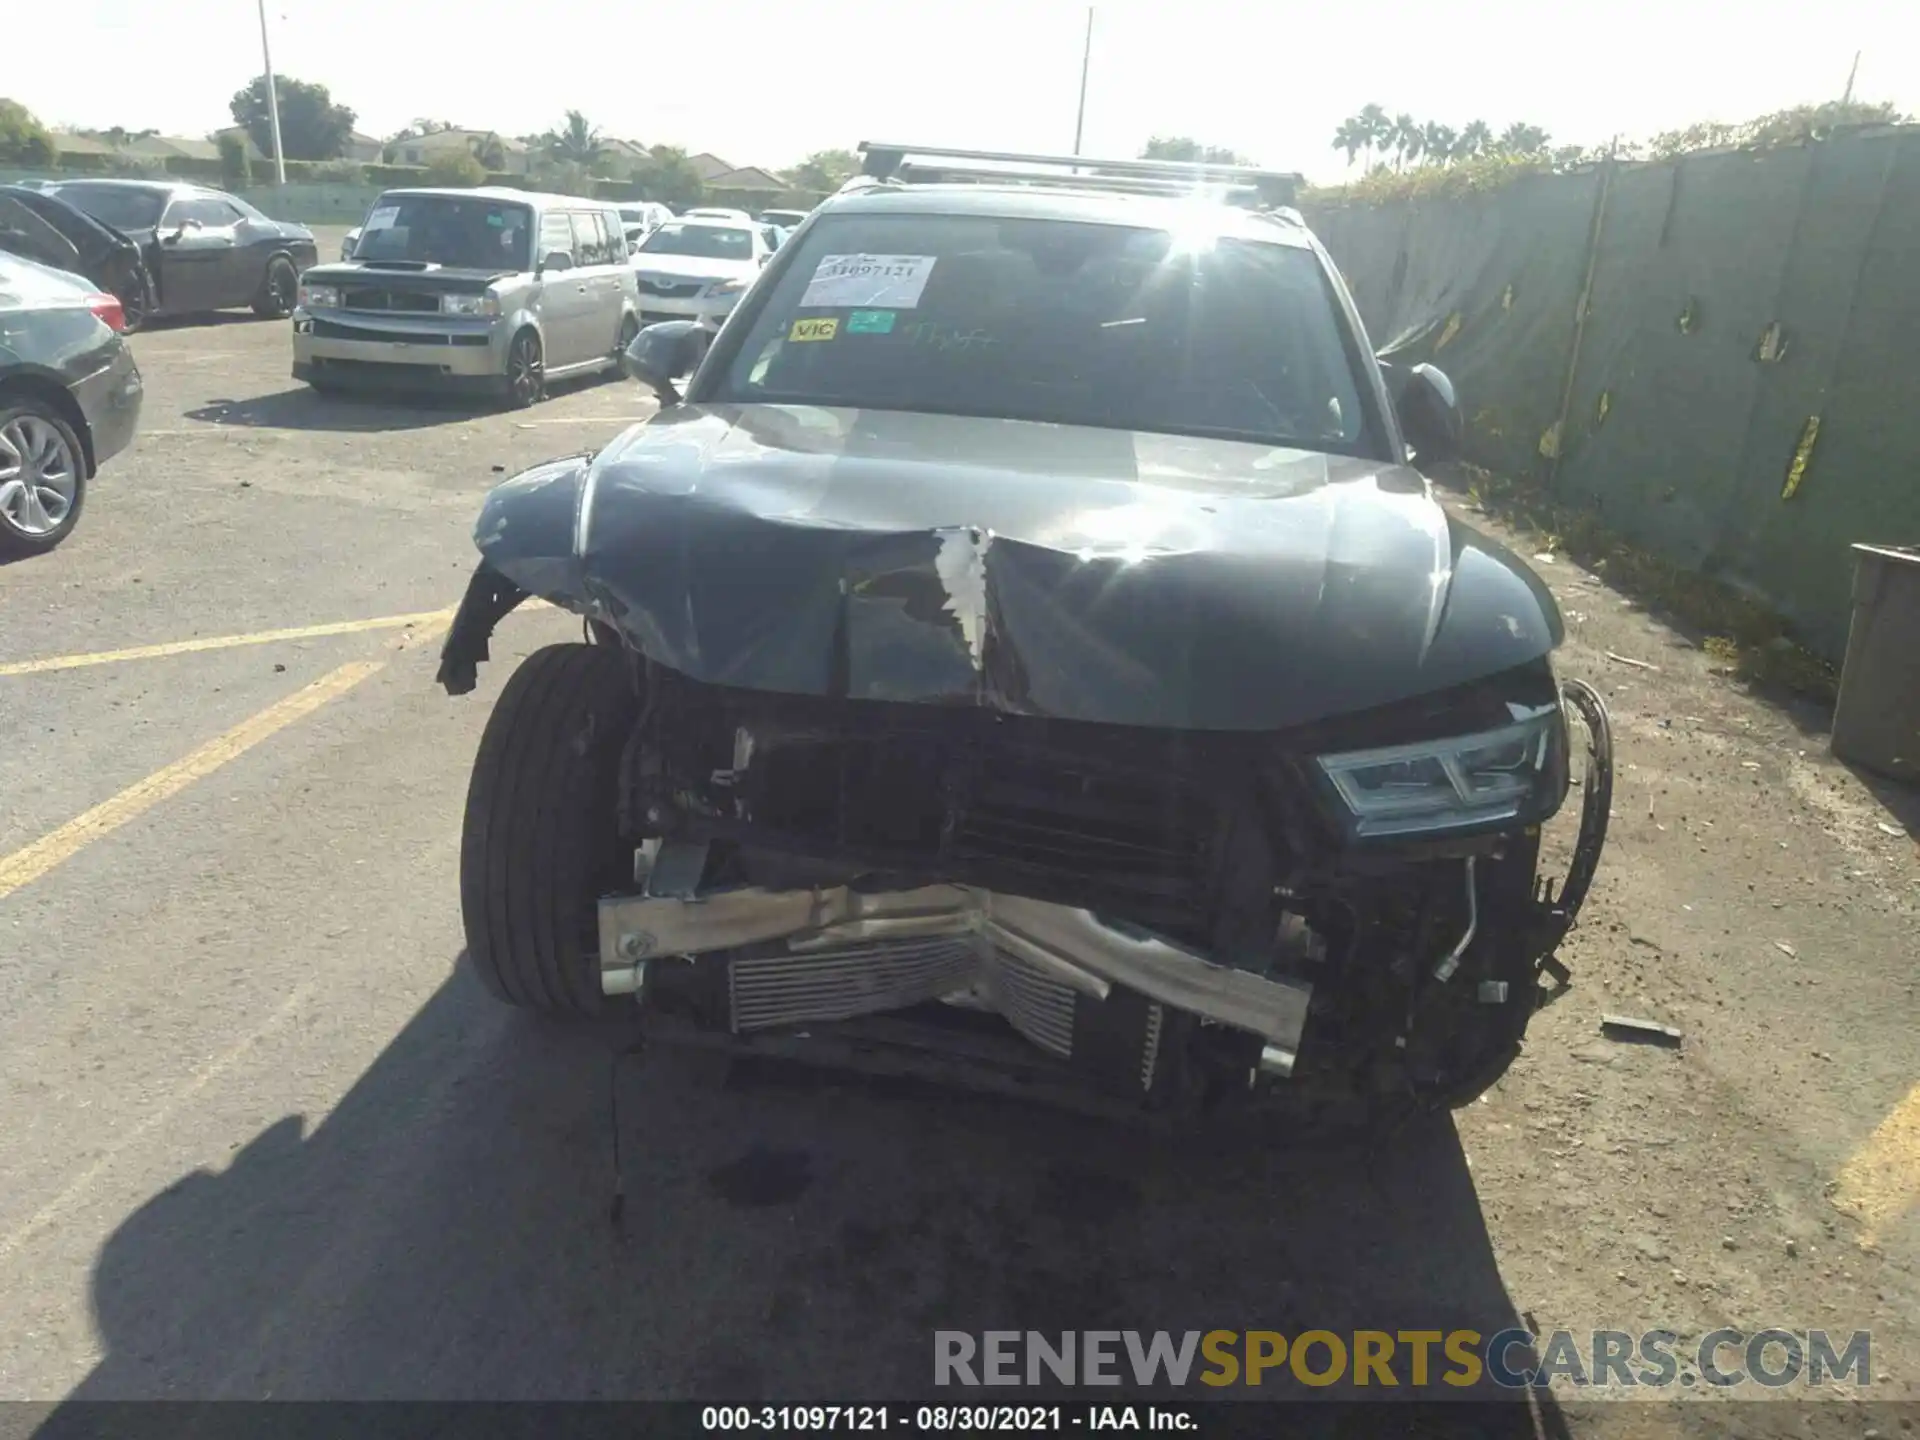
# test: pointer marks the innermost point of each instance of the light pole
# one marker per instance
(1086, 58)
(273, 102)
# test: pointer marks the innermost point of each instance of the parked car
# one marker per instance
(738, 217)
(774, 236)
(69, 399)
(489, 290)
(204, 249)
(346, 245)
(1027, 652)
(640, 219)
(785, 219)
(695, 268)
(40, 226)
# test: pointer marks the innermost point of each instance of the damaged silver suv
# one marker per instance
(1026, 654)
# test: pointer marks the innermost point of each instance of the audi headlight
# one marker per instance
(1506, 774)
(469, 305)
(323, 297)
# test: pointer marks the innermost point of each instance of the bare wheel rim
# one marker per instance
(523, 368)
(133, 304)
(280, 285)
(39, 476)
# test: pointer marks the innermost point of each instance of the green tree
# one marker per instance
(1352, 137)
(1406, 138)
(576, 141)
(668, 176)
(1186, 148)
(823, 172)
(490, 152)
(1439, 142)
(1521, 139)
(236, 165)
(312, 127)
(455, 168)
(1475, 139)
(23, 139)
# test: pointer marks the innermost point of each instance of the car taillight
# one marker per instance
(107, 307)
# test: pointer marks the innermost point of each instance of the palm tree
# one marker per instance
(1439, 141)
(1475, 139)
(1519, 139)
(1407, 138)
(1377, 128)
(1353, 136)
(576, 141)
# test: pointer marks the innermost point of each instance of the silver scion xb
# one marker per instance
(488, 290)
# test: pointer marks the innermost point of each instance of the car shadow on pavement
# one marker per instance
(444, 1233)
(302, 408)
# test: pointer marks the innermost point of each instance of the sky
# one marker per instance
(764, 82)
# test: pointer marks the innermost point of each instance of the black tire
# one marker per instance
(20, 531)
(541, 839)
(629, 328)
(526, 379)
(136, 299)
(278, 291)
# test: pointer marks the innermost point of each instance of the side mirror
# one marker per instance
(556, 260)
(661, 354)
(1430, 415)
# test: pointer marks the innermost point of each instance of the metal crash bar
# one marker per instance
(888, 161)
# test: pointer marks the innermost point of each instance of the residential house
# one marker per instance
(421, 149)
(624, 155)
(709, 167)
(169, 147)
(363, 149)
(748, 179)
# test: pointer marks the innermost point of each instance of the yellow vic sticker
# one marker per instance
(815, 329)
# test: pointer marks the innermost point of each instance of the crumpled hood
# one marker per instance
(1087, 574)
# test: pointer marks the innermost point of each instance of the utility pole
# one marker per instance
(1847, 98)
(273, 102)
(1086, 59)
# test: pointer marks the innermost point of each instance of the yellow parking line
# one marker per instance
(1882, 1179)
(224, 642)
(25, 866)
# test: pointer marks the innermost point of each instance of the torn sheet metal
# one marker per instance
(1081, 573)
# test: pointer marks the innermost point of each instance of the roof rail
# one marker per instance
(904, 163)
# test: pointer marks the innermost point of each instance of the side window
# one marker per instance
(588, 248)
(556, 236)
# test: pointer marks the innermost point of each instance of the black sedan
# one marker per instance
(205, 249)
(69, 400)
(41, 226)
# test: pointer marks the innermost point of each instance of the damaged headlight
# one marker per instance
(1505, 774)
(469, 305)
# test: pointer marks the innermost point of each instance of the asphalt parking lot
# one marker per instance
(265, 1138)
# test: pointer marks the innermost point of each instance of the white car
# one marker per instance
(346, 245)
(697, 269)
(640, 218)
(738, 217)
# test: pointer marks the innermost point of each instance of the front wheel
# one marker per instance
(278, 291)
(541, 840)
(526, 379)
(136, 299)
(43, 478)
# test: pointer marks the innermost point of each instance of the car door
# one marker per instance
(200, 254)
(564, 302)
(598, 244)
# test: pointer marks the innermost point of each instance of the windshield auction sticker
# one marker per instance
(889, 281)
(814, 329)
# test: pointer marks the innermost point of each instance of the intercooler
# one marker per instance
(818, 986)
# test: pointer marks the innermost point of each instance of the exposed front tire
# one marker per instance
(541, 839)
(135, 295)
(278, 291)
(43, 476)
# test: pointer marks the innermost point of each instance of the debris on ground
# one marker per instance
(1785, 949)
(1633, 1028)
(1629, 660)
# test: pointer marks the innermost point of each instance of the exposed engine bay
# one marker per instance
(1167, 918)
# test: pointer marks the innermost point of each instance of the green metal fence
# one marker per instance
(1709, 351)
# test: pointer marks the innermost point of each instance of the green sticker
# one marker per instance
(870, 322)
(496, 219)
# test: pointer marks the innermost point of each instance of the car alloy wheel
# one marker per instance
(524, 374)
(281, 290)
(39, 476)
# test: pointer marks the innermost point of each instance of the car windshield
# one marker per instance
(125, 207)
(462, 231)
(707, 242)
(1074, 323)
